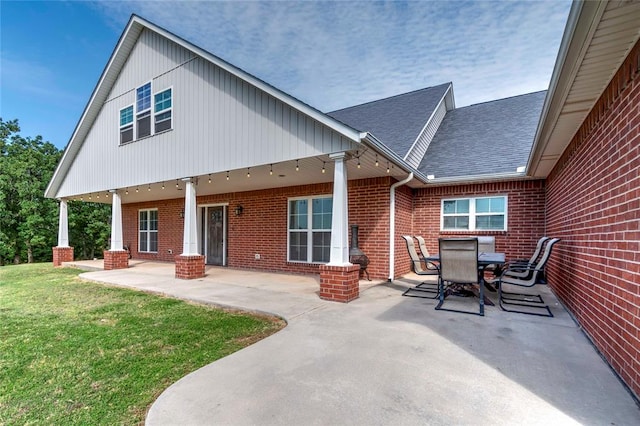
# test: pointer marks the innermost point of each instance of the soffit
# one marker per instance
(595, 45)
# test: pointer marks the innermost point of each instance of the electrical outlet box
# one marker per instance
(257, 256)
(170, 251)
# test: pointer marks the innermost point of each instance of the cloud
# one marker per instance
(336, 54)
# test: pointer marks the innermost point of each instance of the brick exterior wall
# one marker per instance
(262, 228)
(525, 214)
(404, 226)
(115, 260)
(593, 204)
(62, 254)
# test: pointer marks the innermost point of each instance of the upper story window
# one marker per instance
(143, 110)
(162, 110)
(126, 124)
(147, 105)
(474, 214)
(310, 229)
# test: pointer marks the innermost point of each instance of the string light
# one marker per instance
(98, 196)
(126, 191)
(107, 195)
(358, 162)
(137, 189)
(227, 174)
(358, 157)
(177, 184)
(162, 185)
(377, 162)
(297, 166)
(323, 170)
(81, 198)
(149, 188)
(209, 177)
(388, 169)
(271, 171)
(248, 172)
(89, 196)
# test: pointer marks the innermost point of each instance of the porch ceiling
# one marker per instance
(597, 40)
(284, 175)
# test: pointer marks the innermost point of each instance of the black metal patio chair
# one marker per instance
(425, 289)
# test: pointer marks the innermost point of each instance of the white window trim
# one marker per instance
(153, 97)
(132, 124)
(309, 229)
(472, 214)
(147, 231)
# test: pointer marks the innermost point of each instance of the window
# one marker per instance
(162, 109)
(475, 214)
(126, 124)
(310, 229)
(143, 111)
(148, 231)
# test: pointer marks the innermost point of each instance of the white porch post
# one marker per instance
(63, 226)
(116, 222)
(190, 239)
(339, 215)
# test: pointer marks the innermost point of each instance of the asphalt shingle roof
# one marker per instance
(487, 138)
(396, 121)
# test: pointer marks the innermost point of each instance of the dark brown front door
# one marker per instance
(215, 235)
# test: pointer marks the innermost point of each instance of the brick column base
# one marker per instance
(339, 283)
(62, 254)
(118, 259)
(189, 267)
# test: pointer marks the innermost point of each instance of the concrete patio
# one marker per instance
(382, 359)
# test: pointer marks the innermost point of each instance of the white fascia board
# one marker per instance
(130, 34)
(494, 177)
(93, 107)
(582, 23)
(447, 92)
(383, 150)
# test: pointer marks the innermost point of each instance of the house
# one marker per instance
(205, 164)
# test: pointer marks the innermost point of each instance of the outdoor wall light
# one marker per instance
(239, 210)
(182, 214)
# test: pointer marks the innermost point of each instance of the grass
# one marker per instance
(73, 352)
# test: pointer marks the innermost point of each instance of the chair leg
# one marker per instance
(442, 296)
(533, 301)
(424, 290)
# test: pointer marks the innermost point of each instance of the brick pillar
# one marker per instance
(339, 283)
(115, 259)
(189, 267)
(62, 254)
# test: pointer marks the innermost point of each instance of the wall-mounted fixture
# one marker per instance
(182, 214)
(239, 210)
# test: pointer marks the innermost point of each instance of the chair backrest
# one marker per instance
(538, 249)
(413, 254)
(423, 246)
(486, 244)
(459, 259)
(531, 279)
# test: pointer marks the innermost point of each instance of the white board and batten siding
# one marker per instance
(418, 150)
(220, 122)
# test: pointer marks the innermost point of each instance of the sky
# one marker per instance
(330, 55)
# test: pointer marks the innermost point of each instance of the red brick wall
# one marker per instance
(262, 228)
(404, 226)
(593, 204)
(526, 214)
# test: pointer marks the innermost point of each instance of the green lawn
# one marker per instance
(73, 352)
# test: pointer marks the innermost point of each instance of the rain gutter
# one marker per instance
(392, 223)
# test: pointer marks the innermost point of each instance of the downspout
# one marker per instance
(392, 224)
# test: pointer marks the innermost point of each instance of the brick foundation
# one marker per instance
(116, 260)
(339, 283)
(189, 267)
(62, 254)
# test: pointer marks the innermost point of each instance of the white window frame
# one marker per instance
(473, 215)
(147, 231)
(156, 113)
(141, 112)
(309, 230)
(132, 124)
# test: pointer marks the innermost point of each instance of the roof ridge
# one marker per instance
(389, 97)
(503, 99)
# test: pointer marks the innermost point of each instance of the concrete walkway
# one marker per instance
(383, 359)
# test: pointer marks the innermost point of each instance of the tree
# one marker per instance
(89, 228)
